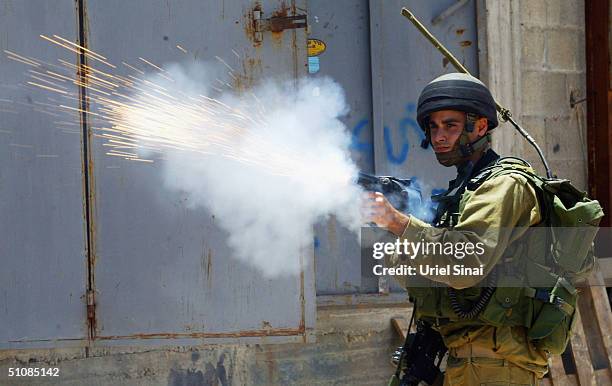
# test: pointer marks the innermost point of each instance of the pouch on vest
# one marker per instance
(555, 319)
(574, 219)
(506, 308)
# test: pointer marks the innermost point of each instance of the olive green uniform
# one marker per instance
(497, 213)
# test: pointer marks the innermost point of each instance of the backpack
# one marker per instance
(572, 218)
(570, 221)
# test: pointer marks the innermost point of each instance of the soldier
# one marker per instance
(457, 113)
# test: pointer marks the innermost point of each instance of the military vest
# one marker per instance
(508, 299)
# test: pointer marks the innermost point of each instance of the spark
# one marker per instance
(133, 68)
(47, 76)
(224, 63)
(77, 51)
(79, 110)
(80, 47)
(136, 116)
(119, 155)
(48, 88)
(48, 82)
(23, 59)
(151, 64)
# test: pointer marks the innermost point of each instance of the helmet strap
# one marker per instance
(464, 149)
(427, 141)
(470, 121)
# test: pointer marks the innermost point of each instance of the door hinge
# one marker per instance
(276, 23)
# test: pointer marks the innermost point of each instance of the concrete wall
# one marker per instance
(353, 347)
(533, 56)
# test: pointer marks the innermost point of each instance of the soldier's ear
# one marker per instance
(482, 124)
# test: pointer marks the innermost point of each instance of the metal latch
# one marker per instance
(276, 23)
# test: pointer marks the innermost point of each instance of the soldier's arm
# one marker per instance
(497, 213)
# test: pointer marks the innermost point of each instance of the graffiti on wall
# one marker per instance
(396, 137)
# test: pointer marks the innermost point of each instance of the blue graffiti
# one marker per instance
(407, 122)
(399, 159)
(356, 143)
(401, 138)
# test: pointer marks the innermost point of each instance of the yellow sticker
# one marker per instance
(316, 47)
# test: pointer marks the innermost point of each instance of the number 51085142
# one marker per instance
(33, 372)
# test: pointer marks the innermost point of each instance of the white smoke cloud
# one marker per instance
(268, 163)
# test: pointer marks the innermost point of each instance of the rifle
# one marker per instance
(419, 359)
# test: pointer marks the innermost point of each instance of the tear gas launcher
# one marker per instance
(403, 194)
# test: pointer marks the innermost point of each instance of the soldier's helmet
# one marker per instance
(456, 91)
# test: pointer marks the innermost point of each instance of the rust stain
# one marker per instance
(203, 335)
(445, 62)
(251, 71)
(460, 31)
(277, 38)
(276, 29)
(282, 11)
(465, 43)
(249, 24)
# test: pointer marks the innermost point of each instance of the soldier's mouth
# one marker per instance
(442, 149)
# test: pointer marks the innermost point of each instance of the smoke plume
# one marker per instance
(269, 162)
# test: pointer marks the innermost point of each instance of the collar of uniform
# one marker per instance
(488, 158)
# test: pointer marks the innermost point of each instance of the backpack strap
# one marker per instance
(518, 166)
(515, 165)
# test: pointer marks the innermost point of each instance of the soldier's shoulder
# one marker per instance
(503, 184)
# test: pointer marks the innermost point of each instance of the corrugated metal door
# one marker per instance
(164, 272)
(383, 62)
(42, 247)
(159, 272)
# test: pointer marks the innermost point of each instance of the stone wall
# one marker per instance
(533, 57)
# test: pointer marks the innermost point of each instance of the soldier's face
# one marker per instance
(446, 126)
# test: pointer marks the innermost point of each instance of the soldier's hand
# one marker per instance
(377, 209)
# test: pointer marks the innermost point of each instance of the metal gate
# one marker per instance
(97, 246)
